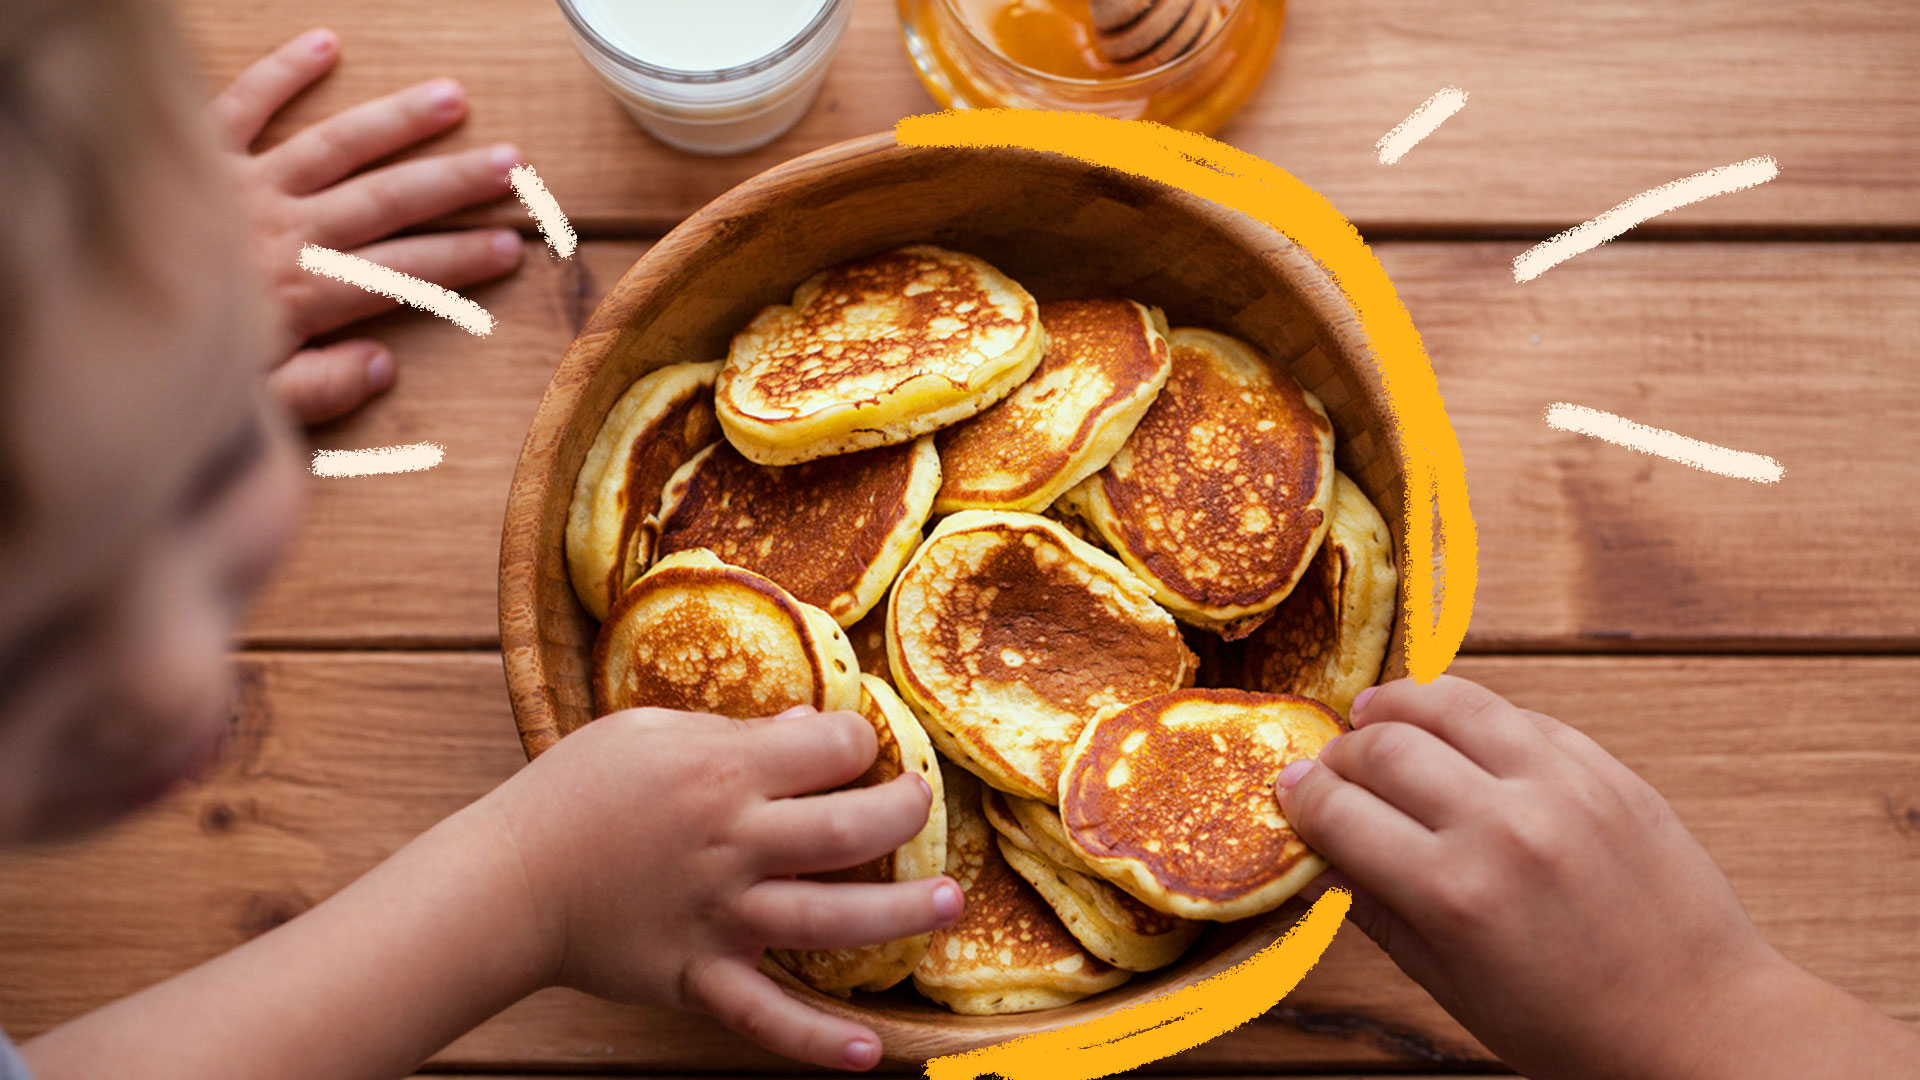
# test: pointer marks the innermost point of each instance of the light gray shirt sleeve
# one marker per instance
(11, 1067)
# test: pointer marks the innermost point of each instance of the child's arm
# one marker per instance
(646, 857)
(1554, 904)
(310, 189)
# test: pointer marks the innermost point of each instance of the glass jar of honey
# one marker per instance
(1045, 54)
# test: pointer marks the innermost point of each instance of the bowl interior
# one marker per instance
(1062, 229)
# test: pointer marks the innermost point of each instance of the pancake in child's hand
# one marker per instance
(1008, 952)
(1112, 925)
(833, 533)
(1172, 799)
(876, 352)
(1105, 361)
(661, 421)
(1326, 641)
(903, 747)
(1007, 635)
(1224, 491)
(696, 634)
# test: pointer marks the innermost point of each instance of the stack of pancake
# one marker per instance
(1104, 567)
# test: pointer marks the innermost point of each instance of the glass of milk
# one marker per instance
(710, 76)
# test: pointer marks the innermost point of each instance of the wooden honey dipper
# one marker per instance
(1148, 33)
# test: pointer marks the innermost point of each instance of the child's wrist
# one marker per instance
(1734, 1034)
(519, 885)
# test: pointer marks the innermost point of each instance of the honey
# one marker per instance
(1045, 54)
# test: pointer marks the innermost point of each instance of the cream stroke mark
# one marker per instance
(407, 289)
(1420, 123)
(1616, 429)
(378, 461)
(1645, 206)
(545, 210)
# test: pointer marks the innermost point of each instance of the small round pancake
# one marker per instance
(1007, 635)
(1105, 362)
(876, 352)
(1327, 639)
(696, 634)
(1224, 491)
(1112, 925)
(833, 533)
(903, 747)
(1008, 952)
(662, 420)
(1172, 800)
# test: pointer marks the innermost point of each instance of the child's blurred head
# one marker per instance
(144, 485)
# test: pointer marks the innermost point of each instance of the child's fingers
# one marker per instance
(244, 107)
(377, 204)
(1471, 718)
(341, 145)
(453, 259)
(1380, 848)
(320, 384)
(787, 914)
(748, 1002)
(809, 753)
(1410, 768)
(834, 831)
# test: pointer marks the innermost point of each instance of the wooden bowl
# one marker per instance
(1061, 228)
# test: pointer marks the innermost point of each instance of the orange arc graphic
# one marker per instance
(1164, 1025)
(1441, 544)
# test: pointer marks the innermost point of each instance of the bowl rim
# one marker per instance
(534, 473)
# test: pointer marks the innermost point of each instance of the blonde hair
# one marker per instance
(93, 94)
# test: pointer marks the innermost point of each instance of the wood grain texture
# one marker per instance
(1794, 351)
(1800, 351)
(1800, 775)
(1572, 110)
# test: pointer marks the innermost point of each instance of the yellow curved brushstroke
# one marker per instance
(1436, 474)
(1163, 1025)
(1436, 499)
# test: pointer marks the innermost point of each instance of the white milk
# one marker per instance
(711, 76)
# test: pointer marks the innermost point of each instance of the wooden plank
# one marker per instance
(1793, 350)
(1572, 109)
(1799, 775)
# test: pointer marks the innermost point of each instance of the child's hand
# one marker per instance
(309, 189)
(1544, 894)
(661, 850)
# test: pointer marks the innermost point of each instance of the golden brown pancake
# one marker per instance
(833, 532)
(1007, 635)
(1223, 493)
(1008, 952)
(1327, 639)
(1112, 925)
(696, 634)
(1105, 361)
(902, 747)
(662, 420)
(876, 352)
(1172, 799)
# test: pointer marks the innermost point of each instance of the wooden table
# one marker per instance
(1753, 651)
